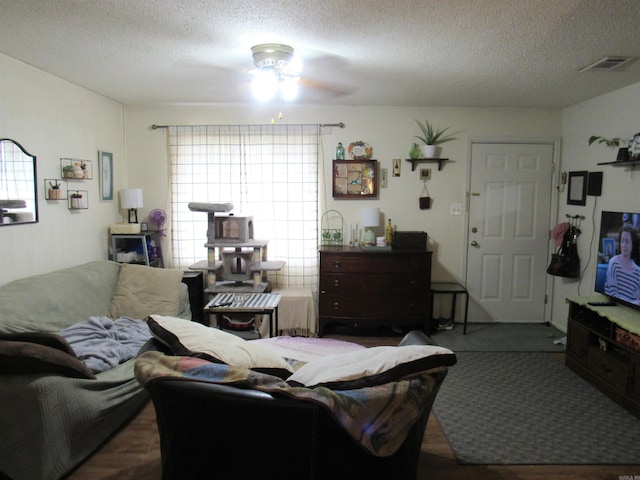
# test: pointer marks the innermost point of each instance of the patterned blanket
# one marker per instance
(377, 417)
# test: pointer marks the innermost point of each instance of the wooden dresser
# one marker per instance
(361, 287)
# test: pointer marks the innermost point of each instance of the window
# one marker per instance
(267, 171)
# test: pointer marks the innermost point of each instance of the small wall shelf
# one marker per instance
(627, 163)
(76, 169)
(439, 161)
(58, 193)
(78, 199)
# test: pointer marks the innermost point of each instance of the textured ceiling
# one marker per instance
(502, 53)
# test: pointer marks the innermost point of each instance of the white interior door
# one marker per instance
(508, 238)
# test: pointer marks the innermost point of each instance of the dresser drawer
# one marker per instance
(386, 286)
(608, 367)
(374, 307)
(374, 263)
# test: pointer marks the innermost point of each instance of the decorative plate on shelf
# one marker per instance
(360, 150)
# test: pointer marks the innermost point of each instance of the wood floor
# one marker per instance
(134, 453)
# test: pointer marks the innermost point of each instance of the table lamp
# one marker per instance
(370, 218)
(131, 199)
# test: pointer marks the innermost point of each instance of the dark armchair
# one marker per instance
(224, 432)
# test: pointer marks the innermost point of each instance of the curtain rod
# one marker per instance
(155, 127)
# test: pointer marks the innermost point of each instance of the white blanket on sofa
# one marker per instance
(102, 343)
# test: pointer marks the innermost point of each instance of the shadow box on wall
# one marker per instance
(355, 179)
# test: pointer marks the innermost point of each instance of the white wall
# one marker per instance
(52, 118)
(614, 115)
(389, 130)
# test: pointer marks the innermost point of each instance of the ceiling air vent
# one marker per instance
(607, 63)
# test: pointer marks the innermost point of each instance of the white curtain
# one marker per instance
(267, 171)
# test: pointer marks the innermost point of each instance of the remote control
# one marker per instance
(602, 304)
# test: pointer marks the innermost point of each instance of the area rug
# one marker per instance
(502, 337)
(529, 408)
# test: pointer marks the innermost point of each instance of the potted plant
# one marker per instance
(54, 190)
(83, 167)
(432, 137)
(623, 152)
(76, 200)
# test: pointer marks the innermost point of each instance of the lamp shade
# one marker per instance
(370, 217)
(131, 198)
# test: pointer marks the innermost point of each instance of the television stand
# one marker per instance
(603, 347)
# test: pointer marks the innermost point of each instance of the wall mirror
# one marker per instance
(18, 193)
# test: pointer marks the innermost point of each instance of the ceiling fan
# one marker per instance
(276, 72)
(280, 70)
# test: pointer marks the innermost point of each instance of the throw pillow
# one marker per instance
(42, 338)
(187, 338)
(371, 366)
(141, 291)
(33, 358)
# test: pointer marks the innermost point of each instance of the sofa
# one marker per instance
(236, 411)
(57, 405)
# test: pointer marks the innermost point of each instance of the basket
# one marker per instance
(331, 226)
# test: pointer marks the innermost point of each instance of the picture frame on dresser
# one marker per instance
(355, 179)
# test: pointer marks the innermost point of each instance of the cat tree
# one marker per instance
(236, 262)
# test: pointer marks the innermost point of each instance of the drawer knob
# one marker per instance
(336, 283)
(336, 263)
(336, 305)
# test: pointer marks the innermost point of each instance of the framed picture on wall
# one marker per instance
(355, 179)
(106, 176)
(577, 191)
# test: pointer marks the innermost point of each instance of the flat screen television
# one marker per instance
(618, 272)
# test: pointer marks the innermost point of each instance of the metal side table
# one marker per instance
(455, 289)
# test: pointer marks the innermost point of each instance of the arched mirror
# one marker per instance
(18, 193)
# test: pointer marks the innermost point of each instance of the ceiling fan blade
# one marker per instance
(328, 89)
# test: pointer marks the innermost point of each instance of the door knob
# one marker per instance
(475, 244)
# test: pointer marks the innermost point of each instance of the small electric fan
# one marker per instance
(157, 218)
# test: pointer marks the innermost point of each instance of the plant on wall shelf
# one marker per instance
(76, 200)
(619, 143)
(432, 137)
(611, 143)
(54, 190)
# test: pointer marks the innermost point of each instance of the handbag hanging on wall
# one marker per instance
(566, 261)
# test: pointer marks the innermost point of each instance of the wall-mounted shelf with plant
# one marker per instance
(55, 189)
(432, 138)
(78, 199)
(76, 169)
(628, 150)
(414, 161)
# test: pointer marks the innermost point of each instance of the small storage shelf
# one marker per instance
(439, 161)
(141, 248)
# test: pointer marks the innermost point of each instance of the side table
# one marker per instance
(455, 289)
(260, 303)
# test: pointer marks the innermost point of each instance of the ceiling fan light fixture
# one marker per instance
(271, 55)
(265, 84)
